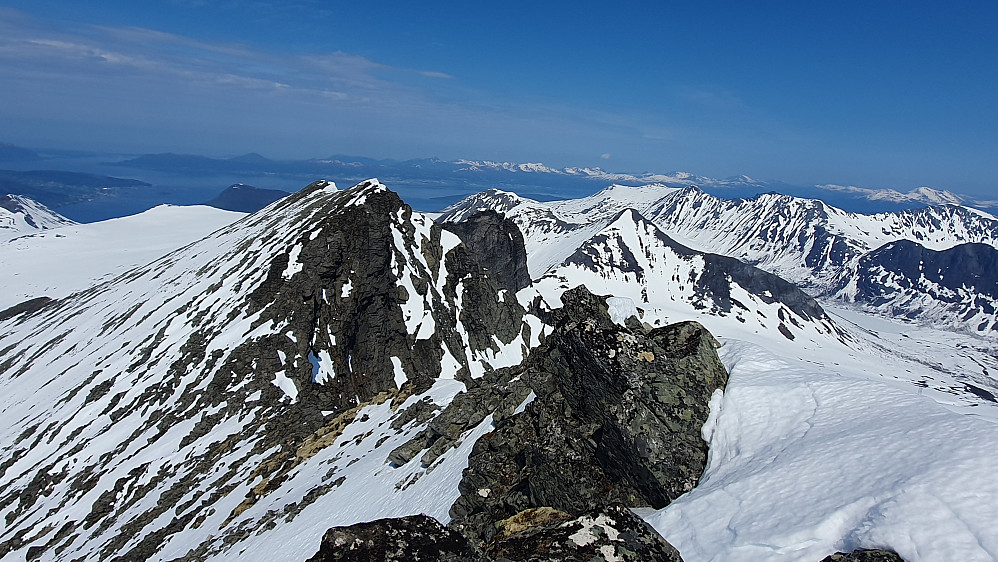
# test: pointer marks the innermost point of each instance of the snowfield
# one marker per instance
(804, 462)
(65, 259)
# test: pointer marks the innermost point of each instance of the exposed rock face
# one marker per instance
(613, 533)
(616, 418)
(401, 539)
(539, 535)
(360, 292)
(244, 356)
(29, 306)
(864, 556)
(497, 244)
(598, 417)
(957, 286)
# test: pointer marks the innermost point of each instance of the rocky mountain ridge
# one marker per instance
(806, 242)
(162, 414)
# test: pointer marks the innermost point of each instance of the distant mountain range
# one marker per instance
(430, 184)
(548, 182)
(827, 251)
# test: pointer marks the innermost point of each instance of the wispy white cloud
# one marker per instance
(434, 74)
(102, 50)
(141, 86)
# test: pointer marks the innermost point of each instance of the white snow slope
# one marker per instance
(804, 462)
(71, 257)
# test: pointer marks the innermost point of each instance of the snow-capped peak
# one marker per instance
(20, 215)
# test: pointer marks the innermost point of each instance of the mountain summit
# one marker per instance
(175, 409)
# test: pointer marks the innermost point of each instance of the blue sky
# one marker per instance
(875, 94)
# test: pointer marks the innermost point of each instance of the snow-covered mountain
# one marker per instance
(337, 358)
(955, 287)
(184, 406)
(21, 215)
(805, 241)
(632, 258)
(925, 195)
(735, 186)
(676, 179)
(59, 261)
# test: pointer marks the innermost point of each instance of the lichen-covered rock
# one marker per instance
(613, 533)
(538, 535)
(401, 539)
(864, 555)
(616, 418)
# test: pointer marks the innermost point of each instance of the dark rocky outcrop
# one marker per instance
(597, 418)
(401, 539)
(540, 535)
(29, 306)
(612, 533)
(497, 244)
(864, 555)
(616, 418)
(347, 302)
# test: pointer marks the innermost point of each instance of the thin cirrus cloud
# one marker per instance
(121, 73)
(136, 89)
(109, 51)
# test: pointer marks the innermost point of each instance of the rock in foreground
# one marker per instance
(538, 535)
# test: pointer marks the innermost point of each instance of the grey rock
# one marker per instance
(401, 539)
(616, 419)
(864, 555)
(613, 533)
(29, 306)
(498, 245)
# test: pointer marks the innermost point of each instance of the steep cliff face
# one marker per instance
(497, 244)
(598, 417)
(613, 416)
(173, 410)
(957, 288)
